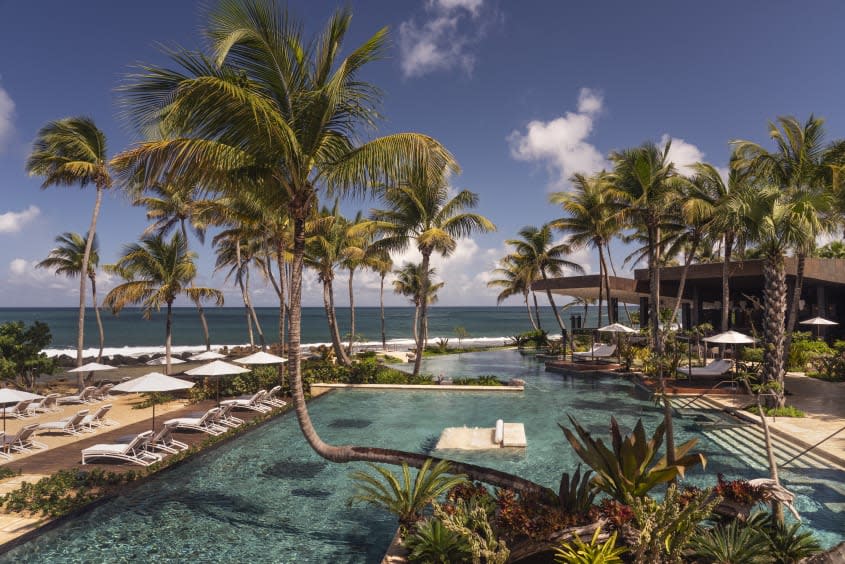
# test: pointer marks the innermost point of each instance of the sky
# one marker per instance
(524, 94)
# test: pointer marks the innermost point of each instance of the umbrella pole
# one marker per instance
(218, 391)
(154, 413)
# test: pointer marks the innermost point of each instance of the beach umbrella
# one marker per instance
(162, 360)
(10, 395)
(617, 328)
(93, 367)
(217, 368)
(261, 357)
(207, 355)
(152, 383)
(818, 322)
(730, 338)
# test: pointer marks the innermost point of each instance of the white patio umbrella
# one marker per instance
(93, 367)
(261, 357)
(152, 383)
(731, 338)
(217, 368)
(207, 355)
(617, 328)
(818, 322)
(162, 360)
(10, 395)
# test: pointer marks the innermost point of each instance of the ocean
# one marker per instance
(129, 333)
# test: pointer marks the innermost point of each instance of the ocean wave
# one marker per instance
(392, 344)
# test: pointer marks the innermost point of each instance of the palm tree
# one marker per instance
(800, 167)
(355, 256)
(590, 220)
(156, 272)
(326, 248)
(834, 249)
(67, 152)
(66, 260)
(514, 279)
(170, 206)
(646, 187)
(420, 211)
(411, 281)
(381, 264)
(541, 257)
(236, 250)
(266, 114)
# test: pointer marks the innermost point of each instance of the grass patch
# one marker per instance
(8, 472)
(827, 377)
(485, 380)
(787, 411)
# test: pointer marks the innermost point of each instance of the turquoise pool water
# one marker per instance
(267, 497)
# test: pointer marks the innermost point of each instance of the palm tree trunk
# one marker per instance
(351, 313)
(331, 317)
(537, 310)
(86, 257)
(528, 308)
(605, 279)
(777, 508)
(381, 307)
(283, 302)
(683, 282)
(774, 310)
(347, 453)
(244, 295)
(97, 315)
(613, 269)
(726, 288)
(423, 309)
(252, 312)
(654, 289)
(168, 336)
(556, 312)
(415, 328)
(198, 303)
(601, 294)
(794, 305)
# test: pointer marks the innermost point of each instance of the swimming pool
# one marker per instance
(267, 497)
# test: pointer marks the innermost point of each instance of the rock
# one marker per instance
(835, 555)
(516, 382)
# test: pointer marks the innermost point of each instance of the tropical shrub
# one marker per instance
(732, 543)
(6, 472)
(785, 411)
(738, 491)
(788, 544)
(803, 351)
(406, 498)
(666, 528)
(752, 354)
(484, 380)
(618, 514)
(21, 359)
(538, 338)
(576, 495)
(532, 516)
(632, 467)
(830, 367)
(470, 519)
(433, 543)
(579, 552)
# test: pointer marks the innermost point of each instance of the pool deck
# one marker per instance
(321, 388)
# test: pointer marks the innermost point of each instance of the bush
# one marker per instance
(786, 411)
(485, 380)
(579, 552)
(805, 350)
(752, 354)
(434, 543)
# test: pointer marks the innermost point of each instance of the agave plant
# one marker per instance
(631, 468)
(787, 543)
(579, 552)
(433, 543)
(576, 495)
(408, 498)
(734, 543)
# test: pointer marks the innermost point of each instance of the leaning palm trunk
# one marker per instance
(774, 310)
(601, 296)
(777, 508)
(423, 309)
(682, 284)
(528, 308)
(654, 289)
(252, 313)
(381, 308)
(556, 312)
(794, 304)
(168, 337)
(415, 328)
(537, 310)
(605, 279)
(97, 315)
(726, 287)
(89, 243)
(351, 313)
(331, 317)
(346, 453)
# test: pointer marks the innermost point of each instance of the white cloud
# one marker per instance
(444, 40)
(562, 142)
(683, 154)
(7, 114)
(18, 266)
(12, 222)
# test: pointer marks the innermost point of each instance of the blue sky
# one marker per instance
(524, 94)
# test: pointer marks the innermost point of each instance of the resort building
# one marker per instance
(822, 294)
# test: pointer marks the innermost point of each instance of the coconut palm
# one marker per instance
(66, 260)
(416, 285)
(267, 113)
(157, 271)
(834, 249)
(513, 280)
(590, 220)
(645, 185)
(801, 164)
(235, 251)
(541, 257)
(355, 256)
(381, 264)
(67, 152)
(421, 212)
(170, 206)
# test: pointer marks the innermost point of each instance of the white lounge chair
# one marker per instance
(224, 417)
(102, 392)
(135, 451)
(69, 425)
(19, 410)
(599, 350)
(272, 398)
(164, 441)
(85, 396)
(253, 402)
(22, 441)
(3, 453)
(205, 423)
(96, 419)
(47, 404)
(718, 367)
